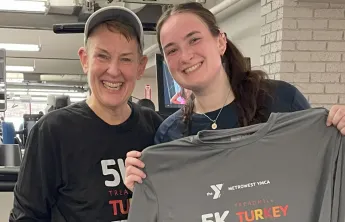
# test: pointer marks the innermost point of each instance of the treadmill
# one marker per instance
(10, 160)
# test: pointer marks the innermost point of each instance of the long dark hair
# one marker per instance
(249, 89)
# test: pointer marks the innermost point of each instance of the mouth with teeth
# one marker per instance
(193, 68)
(112, 86)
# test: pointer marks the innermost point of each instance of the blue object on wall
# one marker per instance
(8, 133)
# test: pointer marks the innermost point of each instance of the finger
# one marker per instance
(129, 184)
(341, 125)
(133, 153)
(130, 161)
(134, 179)
(331, 114)
(131, 170)
(130, 181)
(338, 116)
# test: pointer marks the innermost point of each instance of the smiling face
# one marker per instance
(192, 53)
(113, 64)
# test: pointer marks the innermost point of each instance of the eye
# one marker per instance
(102, 56)
(126, 59)
(171, 51)
(194, 40)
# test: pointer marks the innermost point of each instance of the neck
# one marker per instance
(112, 116)
(217, 95)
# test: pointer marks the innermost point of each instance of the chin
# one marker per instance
(111, 101)
(114, 104)
(114, 99)
(195, 86)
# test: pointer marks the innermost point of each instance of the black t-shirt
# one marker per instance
(73, 168)
(283, 98)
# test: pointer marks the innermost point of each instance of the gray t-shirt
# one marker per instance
(291, 168)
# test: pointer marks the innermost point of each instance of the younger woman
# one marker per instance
(226, 94)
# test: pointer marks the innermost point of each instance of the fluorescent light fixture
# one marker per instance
(44, 94)
(57, 94)
(14, 80)
(14, 75)
(20, 47)
(53, 90)
(20, 68)
(13, 90)
(25, 98)
(26, 6)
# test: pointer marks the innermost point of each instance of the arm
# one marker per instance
(144, 204)
(336, 115)
(38, 179)
(170, 129)
(157, 120)
(158, 137)
(174, 100)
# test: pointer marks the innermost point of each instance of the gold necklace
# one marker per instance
(214, 124)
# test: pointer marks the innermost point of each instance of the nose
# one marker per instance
(186, 54)
(113, 68)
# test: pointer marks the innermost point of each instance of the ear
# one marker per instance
(222, 43)
(82, 52)
(142, 66)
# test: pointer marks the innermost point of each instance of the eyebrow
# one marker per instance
(127, 53)
(122, 54)
(102, 50)
(187, 36)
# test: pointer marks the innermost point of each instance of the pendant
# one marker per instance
(214, 125)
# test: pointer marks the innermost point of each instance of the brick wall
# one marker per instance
(304, 44)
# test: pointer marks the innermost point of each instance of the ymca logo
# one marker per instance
(216, 191)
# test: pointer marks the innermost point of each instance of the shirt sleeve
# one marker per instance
(164, 133)
(299, 102)
(157, 119)
(338, 205)
(39, 177)
(144, 204)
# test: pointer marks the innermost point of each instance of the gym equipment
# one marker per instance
(3, 97)
(29, 121)
(10, 160)
(10, 155)
(8, 133)
(62, 101)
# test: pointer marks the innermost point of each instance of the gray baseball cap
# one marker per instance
(117, 13)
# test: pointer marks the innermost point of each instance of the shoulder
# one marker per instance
(57, 119)
(282, 87)
(310, 121)
(170, 128)
(320, 114)
(147, 116)
(287, 97)
(172, 120)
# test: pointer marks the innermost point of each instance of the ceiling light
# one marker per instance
(27, 6)
(8, 89)
(14, 75)
(35, 93)
(14, 80)
(58, 94)
(20, 68)
(20, 47)
(28, 98)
